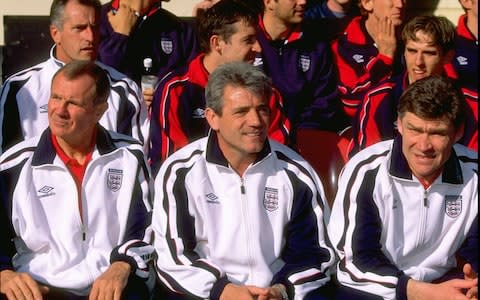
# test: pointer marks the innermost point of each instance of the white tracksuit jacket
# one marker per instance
(24, 101)
(213, 227)
(42, 232)
(387, 228)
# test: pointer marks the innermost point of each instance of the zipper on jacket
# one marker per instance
(425, 198)
(242, 187)
(84, 233)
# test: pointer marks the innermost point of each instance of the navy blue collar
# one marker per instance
(215, 155)
(452, 172)
(45, 152)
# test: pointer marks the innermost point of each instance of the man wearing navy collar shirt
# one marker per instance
(300, 65)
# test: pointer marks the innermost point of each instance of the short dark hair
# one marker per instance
(236, 74)
(434, 97)
(57, 10)
(219, 20)
(440, 29)
(77, 68)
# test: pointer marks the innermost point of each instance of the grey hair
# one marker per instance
(57, 10)
(236, 74)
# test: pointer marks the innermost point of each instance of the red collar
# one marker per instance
(197, 72)
(67, 159)
(462, 29)
(156, 5)
(295, 34)
(356, 32)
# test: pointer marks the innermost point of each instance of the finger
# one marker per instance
(93, 293)
(27, 287)
(472, 293)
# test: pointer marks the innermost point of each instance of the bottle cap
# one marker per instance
(147, 62)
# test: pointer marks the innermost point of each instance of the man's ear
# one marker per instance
(100, 109)
(55, 34)
(367, 5)
(212, 118)
(399, 125)
(215, 44)
(459, 133)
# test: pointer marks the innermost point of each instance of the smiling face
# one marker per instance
(241, 46)
(78, 38)
(426, 144)
(242, 126)
(72, 116)
(423, 58)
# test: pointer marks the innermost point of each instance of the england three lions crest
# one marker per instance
(167, 46)
(453, 205)
(304, 63)
(270, 199)
(114, 179)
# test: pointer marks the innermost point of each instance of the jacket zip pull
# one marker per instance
(242, 187)
(425, 198)
(84, 233)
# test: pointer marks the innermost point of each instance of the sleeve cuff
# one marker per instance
(218, 287)
(137, 254)
(387, 60)
(401, 289)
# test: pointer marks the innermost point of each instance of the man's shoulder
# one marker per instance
(188, 154)
(373, 155)
(18, 153)
(41, 72)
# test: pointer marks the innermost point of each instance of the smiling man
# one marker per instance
(238, 215)
(226, 34)
(429, 48)
(404, 220)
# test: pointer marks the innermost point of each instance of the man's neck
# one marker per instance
(78, 151)
(276, 28)
(210, 61)
(472, 24)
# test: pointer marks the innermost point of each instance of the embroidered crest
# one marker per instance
(270, 199)
(358, 58)
(304, 63)
(114, 179)
(453, 205)
(167, 46)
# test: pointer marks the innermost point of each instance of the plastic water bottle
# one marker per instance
(149, 79)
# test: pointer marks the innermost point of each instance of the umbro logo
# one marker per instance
(212, 198)
(358, 58)
(46, 191)
(198, 113)
(258, 61)
(44, 109)
(462, 60)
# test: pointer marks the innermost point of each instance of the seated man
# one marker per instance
(238, 215)
(404, 220)
(24, 96)
(368, 51)
(70, 196)
(226, 33)
(429, 48)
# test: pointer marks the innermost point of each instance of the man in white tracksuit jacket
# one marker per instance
(75, 201)
(24, 95)
(239, 216)
(404, 220)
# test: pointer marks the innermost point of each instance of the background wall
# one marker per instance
(449, 8)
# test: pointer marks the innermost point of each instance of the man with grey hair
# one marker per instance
(24, 96)
(75, 201)
(238, 215)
